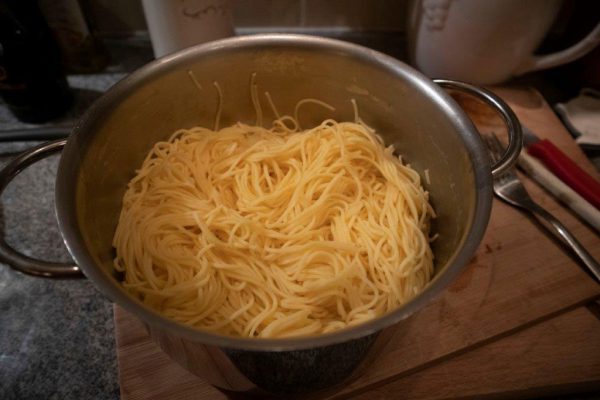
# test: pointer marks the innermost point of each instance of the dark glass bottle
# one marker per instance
(81, 51)
(32, 82)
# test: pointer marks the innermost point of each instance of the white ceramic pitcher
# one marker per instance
(175, 25)
(486, 41)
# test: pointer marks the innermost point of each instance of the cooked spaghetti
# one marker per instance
(277, 232)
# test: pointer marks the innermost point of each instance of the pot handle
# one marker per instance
(515, 134)
(10, 256)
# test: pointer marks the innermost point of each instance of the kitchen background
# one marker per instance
(122, 42)
(378, 23)
(379, 15)
(57, 337)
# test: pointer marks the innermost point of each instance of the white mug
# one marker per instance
(177, 24)
(486, 41)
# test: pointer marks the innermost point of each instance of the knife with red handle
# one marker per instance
(563, 167)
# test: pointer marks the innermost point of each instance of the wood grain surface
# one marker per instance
(519, 283)
(554, 357)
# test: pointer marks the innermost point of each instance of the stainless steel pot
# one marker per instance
(410, 111)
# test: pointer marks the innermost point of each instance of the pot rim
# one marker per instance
(66, 191)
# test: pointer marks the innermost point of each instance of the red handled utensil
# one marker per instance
(563, 167)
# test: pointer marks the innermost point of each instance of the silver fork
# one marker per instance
(509, 188)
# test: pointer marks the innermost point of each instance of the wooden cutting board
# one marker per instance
(519, 287)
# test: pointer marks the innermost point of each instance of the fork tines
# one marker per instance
(494, 146)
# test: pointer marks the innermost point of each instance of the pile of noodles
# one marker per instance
(277, 232)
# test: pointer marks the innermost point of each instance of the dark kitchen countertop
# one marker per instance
(56, 336)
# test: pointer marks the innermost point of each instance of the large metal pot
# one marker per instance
(410, 111)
